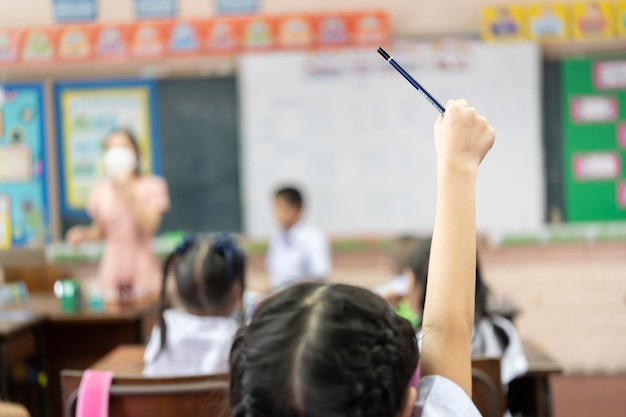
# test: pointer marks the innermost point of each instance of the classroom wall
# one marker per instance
(408, 17)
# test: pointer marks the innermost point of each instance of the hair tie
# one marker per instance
(226, 246)
(184, 246)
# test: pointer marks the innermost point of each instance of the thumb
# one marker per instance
(439, 121)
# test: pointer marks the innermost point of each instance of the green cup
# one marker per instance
(68, 291)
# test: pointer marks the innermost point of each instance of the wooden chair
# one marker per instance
(487, 392)
(156, 397)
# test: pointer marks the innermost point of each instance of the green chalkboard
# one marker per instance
(594, 157)
(198, 122)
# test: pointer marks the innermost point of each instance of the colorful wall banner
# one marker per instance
(560, 21)
(23, 196)
(594, 140)
(71, 11)
(184, 38)
(620, 18)
(110, 42)
(369, 28)
(148, 40)
(592, 20)
(155, 9)
(503, 23)
(9, 46)
(295, 32)
(222, 36)
(167, 38)
(548, 22)
(87, 113)
(74, 43)
(38, 46)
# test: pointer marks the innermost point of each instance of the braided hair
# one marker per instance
(205, 270)
(320, 350)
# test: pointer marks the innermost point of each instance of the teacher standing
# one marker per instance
(126, 210)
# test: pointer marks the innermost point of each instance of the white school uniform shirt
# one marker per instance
(196, 345)
(398, 285)
(439, 397)
(302, 252)
(485, 342)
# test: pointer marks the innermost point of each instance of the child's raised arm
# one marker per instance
(462, 139)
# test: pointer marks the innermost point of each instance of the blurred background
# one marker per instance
(230, 99)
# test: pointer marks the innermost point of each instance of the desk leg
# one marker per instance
(4, 372)
(42, 391)
(543, 397)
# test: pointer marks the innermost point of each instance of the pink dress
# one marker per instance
(128, 255)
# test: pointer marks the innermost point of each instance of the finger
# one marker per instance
(461, 102)
(439, 120)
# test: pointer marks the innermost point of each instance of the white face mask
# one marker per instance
(119, 162)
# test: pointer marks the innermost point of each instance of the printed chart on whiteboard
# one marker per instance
(346, 127)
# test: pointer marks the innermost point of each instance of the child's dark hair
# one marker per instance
(132, 138)
(320, 350)
(205, 271)
(291, 195)
(419, 266)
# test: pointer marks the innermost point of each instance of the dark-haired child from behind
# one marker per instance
(493, 335)
(196, 337)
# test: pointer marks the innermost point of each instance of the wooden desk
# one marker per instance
(14, 324)
(78, 339)
(539, 363)
(123, 360)
(530, 394)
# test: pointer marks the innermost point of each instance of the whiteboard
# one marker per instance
(357, 138)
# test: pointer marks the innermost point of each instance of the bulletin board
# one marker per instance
(24, 220)
(86, 114)
(594, 138)
(357, 138)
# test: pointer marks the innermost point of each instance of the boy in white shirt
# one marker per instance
(298, 251)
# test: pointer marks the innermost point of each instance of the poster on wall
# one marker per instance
(503, 23)
(155, 9)
(87, 113)
(226, 7)
(23, 199)
(592, 20)
(67, 11)
(594, 139)
(548, 22)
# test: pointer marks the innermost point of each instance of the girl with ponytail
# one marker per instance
(195, 338)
